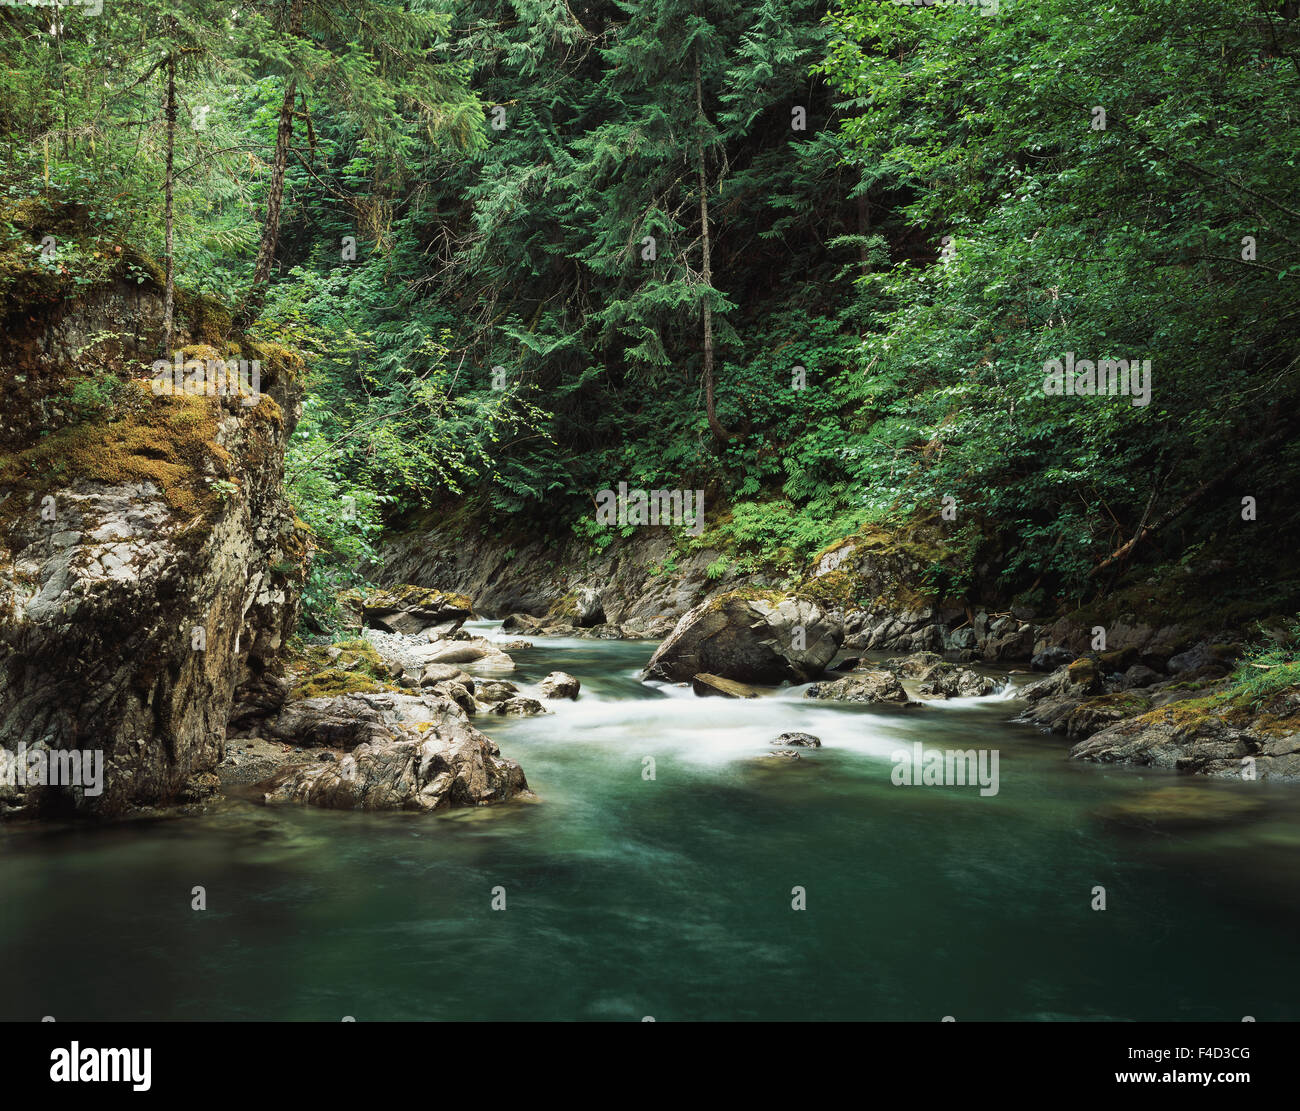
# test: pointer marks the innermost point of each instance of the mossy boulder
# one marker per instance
(415, 611)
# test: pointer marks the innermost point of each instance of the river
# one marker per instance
(670, 897)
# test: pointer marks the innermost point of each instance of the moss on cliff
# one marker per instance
(168, 441)
(348, 667)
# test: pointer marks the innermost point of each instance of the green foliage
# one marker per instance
(1268, 669)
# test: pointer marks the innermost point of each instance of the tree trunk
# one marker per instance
(706, 273)
(169, 283)
(256, 296)
(1286, 432)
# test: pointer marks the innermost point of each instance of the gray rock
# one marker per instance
(875, 686)
(495, 690)
(344, 721)
(446, 673)
(413, 611)
(519, 707)
(1049, 659)
(588, 607)
(427, 769)
(798, 740)
(755, 639)
(559, 684)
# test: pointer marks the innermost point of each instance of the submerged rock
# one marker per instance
(1183, 807)
(752, 636)
(519, 707)
(798, 740)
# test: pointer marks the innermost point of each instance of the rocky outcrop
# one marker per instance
(413, 610)
(425, 768)
(149, 563)
(1207, 736)
(561, 583)
(752, 636)
(346, 720)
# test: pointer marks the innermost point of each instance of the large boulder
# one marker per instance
(873, 685)
(559, 684)
(752, 636)
(588, 610)
(1052, 657)
(423, 768)
(475, 651)
(344, 721)
(416, 610)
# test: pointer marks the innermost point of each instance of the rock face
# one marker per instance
(534, 577)
(1207, 738)
(149, 564)
(755, 638)
(424, 768)
(559, 684)
(413, 610)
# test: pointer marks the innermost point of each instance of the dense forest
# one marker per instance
(812, 261)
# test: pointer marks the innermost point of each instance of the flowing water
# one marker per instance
(671, 897)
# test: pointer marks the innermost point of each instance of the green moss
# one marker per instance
(1083, 670)
(406, 595)
(332, 682)
(169, 441)
(358, 669)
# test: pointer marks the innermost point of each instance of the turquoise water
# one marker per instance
(628, 897)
